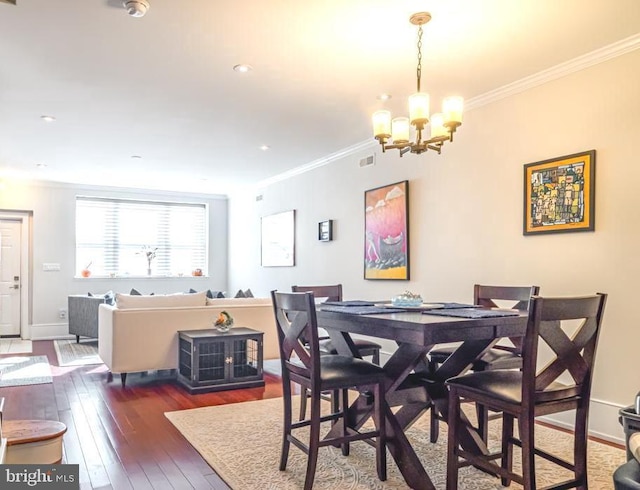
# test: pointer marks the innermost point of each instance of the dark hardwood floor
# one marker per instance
(120, 437)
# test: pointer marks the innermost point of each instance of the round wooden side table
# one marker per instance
(33, 441)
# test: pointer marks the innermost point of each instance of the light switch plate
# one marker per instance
(50, 267)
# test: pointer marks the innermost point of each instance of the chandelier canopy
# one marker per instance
(442, 124)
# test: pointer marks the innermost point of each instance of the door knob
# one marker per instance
(15, 286)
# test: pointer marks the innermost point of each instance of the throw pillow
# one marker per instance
(110, 298)
(220, 294)
(135, 292)
(248, 294)
(240, 294)
(191, 291)
(90, 295)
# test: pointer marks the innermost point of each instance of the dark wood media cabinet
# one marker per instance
(210, 360)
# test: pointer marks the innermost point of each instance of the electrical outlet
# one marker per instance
(62, 313)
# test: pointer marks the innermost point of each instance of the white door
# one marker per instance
(10, 247)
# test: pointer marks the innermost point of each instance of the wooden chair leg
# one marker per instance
(580, 446)
(507, 447)
(376, 357)
(304, 394)
(434, 425)
(314, 441)
(452, 443)
(286, 431)
(342, 408)
(528, 464)
(483, 421)
(380, 421)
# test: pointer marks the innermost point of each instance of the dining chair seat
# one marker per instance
(506, 386)
(495, 358)
(365, 348)
(337, 371)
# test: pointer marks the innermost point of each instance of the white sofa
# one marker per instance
(140, 333)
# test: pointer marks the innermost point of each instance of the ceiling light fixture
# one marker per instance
(265, 147)
(242, 68)
(48, 118)
(443, 124)
(136, 8)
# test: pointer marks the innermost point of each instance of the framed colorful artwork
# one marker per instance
(559, 194)
(386, 232)
(278, 239)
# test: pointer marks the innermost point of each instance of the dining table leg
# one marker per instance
(398, 368)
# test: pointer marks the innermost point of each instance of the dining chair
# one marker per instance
(302, 364)
(365, 348)
(499, 356)
(559, 382)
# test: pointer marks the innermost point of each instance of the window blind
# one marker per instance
(113, 234)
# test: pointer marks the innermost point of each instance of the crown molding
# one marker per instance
(320, 162)
(601, 55)
(563, 69)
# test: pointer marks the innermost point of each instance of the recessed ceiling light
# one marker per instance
(242, 68)
(265, 147)
(383, 97)
(41, 165)
(47, 118)
(136, 156)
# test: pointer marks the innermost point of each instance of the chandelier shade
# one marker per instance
(442, 124)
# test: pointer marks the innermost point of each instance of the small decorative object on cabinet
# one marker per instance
(210, 360)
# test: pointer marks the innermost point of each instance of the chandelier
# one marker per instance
(442, 124)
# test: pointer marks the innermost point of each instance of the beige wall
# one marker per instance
(466, 214)
(53, 241)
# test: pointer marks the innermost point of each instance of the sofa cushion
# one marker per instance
(237, 301)
(127, 301)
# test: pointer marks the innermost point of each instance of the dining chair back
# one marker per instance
(302, 364)
(365, 348)
(332, 292)
(499, 356)
(555, 382)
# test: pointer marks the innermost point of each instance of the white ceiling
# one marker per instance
(162, 86)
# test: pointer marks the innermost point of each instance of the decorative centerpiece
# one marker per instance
(407, 299)
(224, 322)
(86, 272)
(150, 254)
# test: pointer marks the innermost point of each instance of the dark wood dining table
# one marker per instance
(410, 386)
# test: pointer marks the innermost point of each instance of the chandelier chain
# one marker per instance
(419, 67)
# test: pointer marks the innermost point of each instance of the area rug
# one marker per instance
(242, 441)
(71, 353)
(15, 346)
(24, 370)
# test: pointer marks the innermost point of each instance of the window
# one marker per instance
(113, 234)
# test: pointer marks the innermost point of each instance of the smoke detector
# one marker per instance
(136, 8)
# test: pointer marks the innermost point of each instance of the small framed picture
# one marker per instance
(325, 230)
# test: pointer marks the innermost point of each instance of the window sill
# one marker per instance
(137, 278)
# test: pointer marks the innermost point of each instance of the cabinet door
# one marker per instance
(245, 353)
(211, 361)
